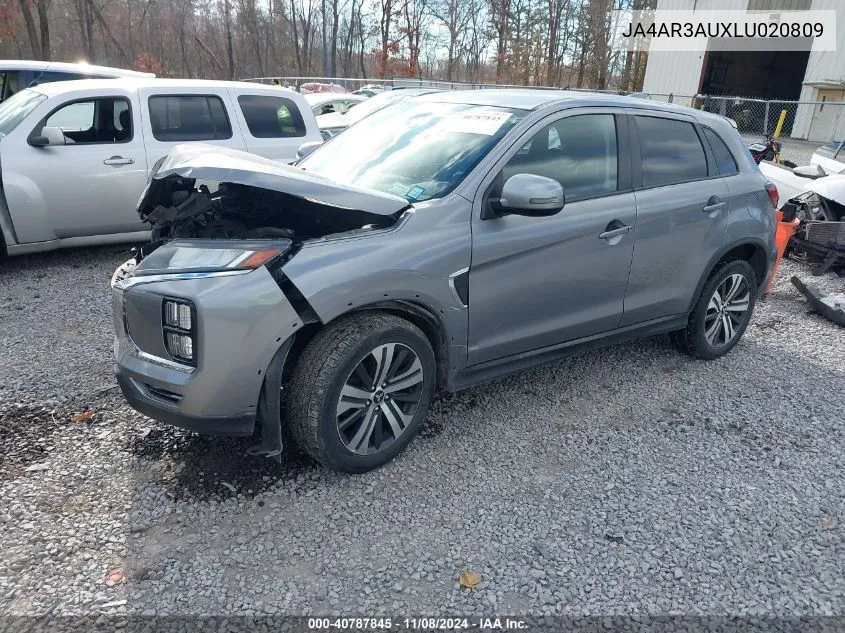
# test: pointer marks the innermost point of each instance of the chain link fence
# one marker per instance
(351, 84)
(815, 121)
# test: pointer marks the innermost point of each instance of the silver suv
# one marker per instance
(449, 240)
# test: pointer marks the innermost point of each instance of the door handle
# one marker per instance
(607, 235)
(119, 160)
(715, 203)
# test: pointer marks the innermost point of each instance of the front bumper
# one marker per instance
(141, 400)
(242, 320)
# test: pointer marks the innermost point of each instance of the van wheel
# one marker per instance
(360, 391)
(722, 312)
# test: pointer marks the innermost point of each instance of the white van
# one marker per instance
(75, 156)
(17, 74)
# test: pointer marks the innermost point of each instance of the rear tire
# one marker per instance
(722, 311)
(360, 391)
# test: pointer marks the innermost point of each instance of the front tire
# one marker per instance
(360, 391)
(721, 313)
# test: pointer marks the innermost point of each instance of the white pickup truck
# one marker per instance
(75, 156)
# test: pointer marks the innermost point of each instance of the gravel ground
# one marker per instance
(628, 480)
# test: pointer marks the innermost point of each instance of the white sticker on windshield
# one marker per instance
(485, 122)
(398, 189)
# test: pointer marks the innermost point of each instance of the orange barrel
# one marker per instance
(782, 234)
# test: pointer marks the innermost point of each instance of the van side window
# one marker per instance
(580, 152)
(724, 159)
(94, 121)
(670, 150)
(50, 76)
(188, 118)
(11, 84)
(271, 117)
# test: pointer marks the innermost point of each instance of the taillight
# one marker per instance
(773, 194)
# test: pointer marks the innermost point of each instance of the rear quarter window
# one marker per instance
(271, 117)
(670, 150)
(725, 162)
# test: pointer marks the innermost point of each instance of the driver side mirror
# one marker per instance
(306, 148)
(48, 136)
(531, 195)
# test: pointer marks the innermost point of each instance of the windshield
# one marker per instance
(16, 108)
(374, 104)
(417, 150)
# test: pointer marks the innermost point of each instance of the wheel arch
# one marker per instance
(752, 251)
(418, 314)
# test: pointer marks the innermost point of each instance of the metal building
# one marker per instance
(812, 76)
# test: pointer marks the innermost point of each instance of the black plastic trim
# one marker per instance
(461, 283)
(501, 367)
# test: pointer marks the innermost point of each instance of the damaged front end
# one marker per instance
(204, 316)
(206, 192)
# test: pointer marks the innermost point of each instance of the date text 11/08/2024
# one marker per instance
(415, 624)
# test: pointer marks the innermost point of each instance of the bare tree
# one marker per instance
(500, 20)
(387, 8)
(415, 13)
(455, 16)
(553, 42)
(39, 38)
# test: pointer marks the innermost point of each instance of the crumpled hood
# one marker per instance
(831, 187)
(202, 161)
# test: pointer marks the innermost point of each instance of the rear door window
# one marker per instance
(725, 162)
(176, 118)
(271, 117)
(670, 150)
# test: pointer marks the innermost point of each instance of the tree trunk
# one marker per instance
(43, 6)
(108, 32)
(335, 26)
(324, 42)
(230, 52)
(29, 22)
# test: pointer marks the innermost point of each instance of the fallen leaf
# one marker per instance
(469, 579)
(114, 577)
(83, 417)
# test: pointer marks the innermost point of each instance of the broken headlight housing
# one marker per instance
(178, 318)
(198, 256)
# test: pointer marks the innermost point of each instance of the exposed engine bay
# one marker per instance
(177, 208)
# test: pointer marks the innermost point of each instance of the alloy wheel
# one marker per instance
(380, 398)
(727, 310)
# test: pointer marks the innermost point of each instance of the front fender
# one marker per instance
(27, 211)
(410, 262)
